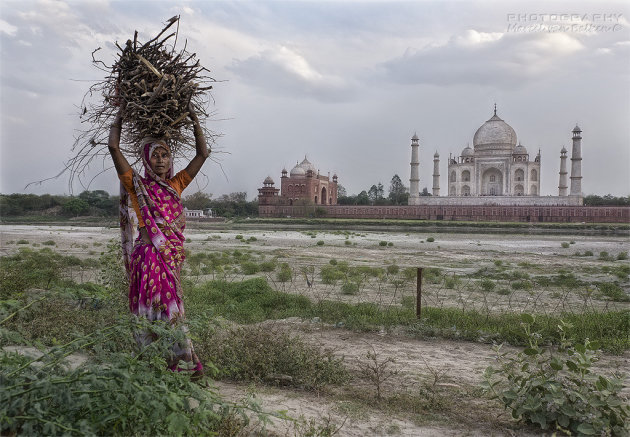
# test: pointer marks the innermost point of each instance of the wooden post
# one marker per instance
(419, 293)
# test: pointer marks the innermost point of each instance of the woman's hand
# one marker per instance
(200, 144)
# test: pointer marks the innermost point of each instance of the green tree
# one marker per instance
(198, 200)
(398, 193)
(76, 206)
(363, 198)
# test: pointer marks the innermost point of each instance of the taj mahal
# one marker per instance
(494, 180)
(498, 170)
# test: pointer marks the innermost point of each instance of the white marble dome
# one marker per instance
(468, 151)
(306, 165)
(495, 134)
(298, 171)
(520, 150)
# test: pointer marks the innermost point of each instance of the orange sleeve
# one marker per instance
(180, 181)
(127, 180)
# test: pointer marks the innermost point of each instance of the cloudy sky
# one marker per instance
(345, 83)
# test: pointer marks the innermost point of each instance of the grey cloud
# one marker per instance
(266, 72)
(502, 60)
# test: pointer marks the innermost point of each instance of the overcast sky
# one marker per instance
(345, 83)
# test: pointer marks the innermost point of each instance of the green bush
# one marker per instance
(588, 253)
(390, 244)
(350, 288)
(430, 240)
(285, 274)
(320, 243)
(382, 243)
(521, 285)
(347, 242)
(558, 390)
(239, 237)
(605, 256)
(613, 292)
(23, 242)
(331, 274)
(564, 244)
(258, 353)
(333, 262)
(252, 239)
(392, 269)
(249, 268)
(622, 256)
(115, 394)
(49, 243)
(267, 266)
(487, 285)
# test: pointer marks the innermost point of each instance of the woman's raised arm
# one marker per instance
(200, 144)
(120, 162)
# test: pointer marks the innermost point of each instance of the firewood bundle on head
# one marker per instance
(158, 85)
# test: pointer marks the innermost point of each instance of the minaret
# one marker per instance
(414, 180)
(576, 163)
(436, 174)
(562, 185)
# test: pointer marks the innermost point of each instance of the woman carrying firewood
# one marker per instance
(155, 259)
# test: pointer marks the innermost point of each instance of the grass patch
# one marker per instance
(253, 301)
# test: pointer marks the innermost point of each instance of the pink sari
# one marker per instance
(155, 290)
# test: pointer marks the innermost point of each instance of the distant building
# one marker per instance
(304, 185)
(497, 170)
(197, 213)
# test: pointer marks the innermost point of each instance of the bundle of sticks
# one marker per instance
(158, 87)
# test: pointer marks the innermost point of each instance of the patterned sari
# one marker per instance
(155, 290)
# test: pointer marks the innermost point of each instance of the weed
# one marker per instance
(558, 389)
(270, 355)
(613, 292)
(377, 370)
(487, 285)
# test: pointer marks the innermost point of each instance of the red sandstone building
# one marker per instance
(304, 185)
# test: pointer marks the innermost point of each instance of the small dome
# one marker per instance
(284, 170)
(298, 171)
(306, 165)
(563, 150)
(268, 180)
(495, 132)
(436, 155)
(415, 137)
(577, 129)
(468, 151)
(520, 150)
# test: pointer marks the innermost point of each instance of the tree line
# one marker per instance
(398, 194)
(100, 203)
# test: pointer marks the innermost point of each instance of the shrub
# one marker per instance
(23, 242)
(350, 288)
(613, 292)
(487, 285)
(252, 239)
(504, 291)
(330, 274)
(564, 244)
(347, 242)
(559, 390)
(239, 237)
(333, 262)
(622, 256)
(267, 266)
(521, 285)
(262, 354)
(382, 243)
(430, 240)
(320, 243)
(605, 256)
(498, 262)
(49, 243)
(285, 274)
(588, 253)
(392, 269)
(390, 244)
(249, 268)
(451, 282)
